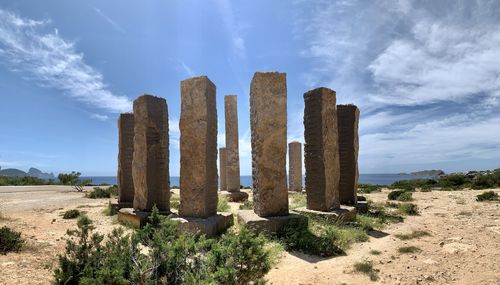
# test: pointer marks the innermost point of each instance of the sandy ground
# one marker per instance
(463, 247)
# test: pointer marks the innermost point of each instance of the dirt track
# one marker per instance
(463, 247)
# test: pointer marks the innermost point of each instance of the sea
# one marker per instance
(380, 179)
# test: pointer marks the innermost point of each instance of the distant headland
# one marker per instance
(33, 172)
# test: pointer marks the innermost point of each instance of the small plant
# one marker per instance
(375, 252)
(487, 196)
(247, 205)
(465, 213)
(71, 214)
(223, 205)
(409, 209)
(406, 196)
(99, 192)
(298, 200)
(412, 235)
(366, 267)
(175, 202)
(74, 180)
(109, 210)
(409, 249)
(369, 188)
(394, 195)
(10, 240)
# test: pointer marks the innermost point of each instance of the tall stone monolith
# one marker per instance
(232, 145)
(222, 168)
(295, 166)
(348, 120)
(125, 157)
(268, 121)
(321, 150)
(150, 163)
(198, 143)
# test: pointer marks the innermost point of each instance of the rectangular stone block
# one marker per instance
(150, 163)
(295, 166)
(348, 120)
(268, 122)
(232, 145)
(125, 156)
(222, 168)
(198, 143)
(321, 150)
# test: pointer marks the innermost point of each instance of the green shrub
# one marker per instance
(10, 240)
(160, 254)
(408, 209)
(454, 181)
(369, 188)
(110, 210)
(297, 236)
(71, 214)
(247, 205)
(409, 249)
(99, 192)
(412, 235)
(406, 196)
(223, 205)
(375, 252)
(394, 195)
(487, 196)
(366, 267)
(175, 202)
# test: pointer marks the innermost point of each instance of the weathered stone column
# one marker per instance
(150, 164)
(223, 168)
(295, 166)
(268, 121)
(348, 118)
(232, 145)
(125, 157)
(198, 143)
(321, 150)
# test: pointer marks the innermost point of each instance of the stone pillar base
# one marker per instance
(211, 226)
(236, 196)
(120, 205)
(342, 214)
(362, 206)
(267, 224)
(136, 218)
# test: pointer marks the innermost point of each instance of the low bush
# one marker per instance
(223, 204)
(24, 181)
(412, 235)
(409, 249)
(394, 195)
(10, 240)
(71, 214)
(110, 210)
(369, 188)
(408, 209)
(454, 181)
(175, 202)
(247, 205)
(366, 267)
(375, 252)
(406, 196)
(159, 254)
(487, 196)
(99, 193)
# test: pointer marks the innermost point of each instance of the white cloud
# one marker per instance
(109, 20)
(99, 117)
(54, 62)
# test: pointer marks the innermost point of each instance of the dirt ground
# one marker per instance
(463, 246)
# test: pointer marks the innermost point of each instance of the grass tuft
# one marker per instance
(412, 235)
(409, 249)
(375, 252)
(109, 210)
(409, 209)
(487, 196)
(71, 214)
(223, 204)
(366, 267)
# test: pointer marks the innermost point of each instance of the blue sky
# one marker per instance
(425, 74)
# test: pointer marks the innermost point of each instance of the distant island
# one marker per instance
(433, 172)
(33, 172)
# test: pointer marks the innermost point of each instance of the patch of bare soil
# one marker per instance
(462, 248)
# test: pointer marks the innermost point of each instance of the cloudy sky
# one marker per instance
(425, 74)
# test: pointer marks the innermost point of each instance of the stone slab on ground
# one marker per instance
(236, 196)
(211, 226)
(266, 224)
(342, 214)
(136, 218)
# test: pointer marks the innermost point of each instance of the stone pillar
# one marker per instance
(198, 142)
(232, 145)
(295, 166)
(223, 168)
(268, 121)
(348, 118)
(125, 157)
(321, 150)
(150, 164)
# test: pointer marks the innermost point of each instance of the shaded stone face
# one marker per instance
(222, 168)
(268, 121)
(321, 150)
(125, 157)
(348, 120)
(295, 166)
(232, 148)
(198, 142)
(150, 164)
